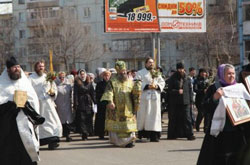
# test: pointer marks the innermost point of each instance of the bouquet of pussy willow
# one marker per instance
(155, 73)
(51, 76)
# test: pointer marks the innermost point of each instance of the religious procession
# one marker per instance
(117, 82)
(122, 106)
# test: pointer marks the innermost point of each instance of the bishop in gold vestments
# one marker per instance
(122, 97)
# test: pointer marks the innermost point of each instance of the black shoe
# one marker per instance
(130, 145)
(197, 128)
(68, 139)
(53, 146)
(84, 137)
(101, 137)
(154, 140)
(191, 137)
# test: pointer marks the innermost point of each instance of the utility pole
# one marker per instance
(240, 27)
(156, 39)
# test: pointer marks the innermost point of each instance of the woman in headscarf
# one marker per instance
(84, 97)
(223, 148)
(63, 103)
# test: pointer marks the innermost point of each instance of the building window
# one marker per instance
(103, 11)
(22, 34)
(86, 12)
(21, 17)
(23, 67)
(140, 65)
(22, 52)
(21, 2)
(80, 65)
(105, 48)
(131, 44)
(247, 48)
(247, 11)
(163, 45)
(105, 64)
(86, 29)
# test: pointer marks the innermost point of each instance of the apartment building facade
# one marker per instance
(246, 28)
(6, 33)
(100, 49)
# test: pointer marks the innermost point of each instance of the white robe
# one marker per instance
(25, 127)
(52, 125)
(149, 114)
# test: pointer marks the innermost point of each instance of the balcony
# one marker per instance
(42, 4)
(44, 22)
(246, 27)
(35, 40)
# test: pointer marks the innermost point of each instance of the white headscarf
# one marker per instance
(91, 75)
(100, 71)
(79, 74)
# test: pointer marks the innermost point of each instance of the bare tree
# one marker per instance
(219, 43)
(7, 23)
(69, 39)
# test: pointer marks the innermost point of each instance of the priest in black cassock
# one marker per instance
(19, 144)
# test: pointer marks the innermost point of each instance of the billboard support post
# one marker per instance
(159, 50)
(153, 45)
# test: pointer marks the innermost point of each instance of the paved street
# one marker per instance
(100, 152)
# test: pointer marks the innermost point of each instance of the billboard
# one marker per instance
(131, 16)
(182, 15)
(155, 16)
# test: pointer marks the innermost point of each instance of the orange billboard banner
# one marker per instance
(131, 16)
(182, 15)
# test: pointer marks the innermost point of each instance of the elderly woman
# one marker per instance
(84, 97)
(92, 79)
(63, 104)
(223, 149)
(101, 107)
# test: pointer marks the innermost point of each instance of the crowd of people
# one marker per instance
(117, 103)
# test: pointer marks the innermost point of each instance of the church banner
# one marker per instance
(155, 16)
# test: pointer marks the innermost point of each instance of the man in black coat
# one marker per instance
(201, 84)
(180, 98)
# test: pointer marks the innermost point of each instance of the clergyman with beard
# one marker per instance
(51, 130)
(180, 99)
(120, 119)
(18, 117)
(149, 115)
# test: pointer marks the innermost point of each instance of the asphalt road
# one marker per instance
(100, 152)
